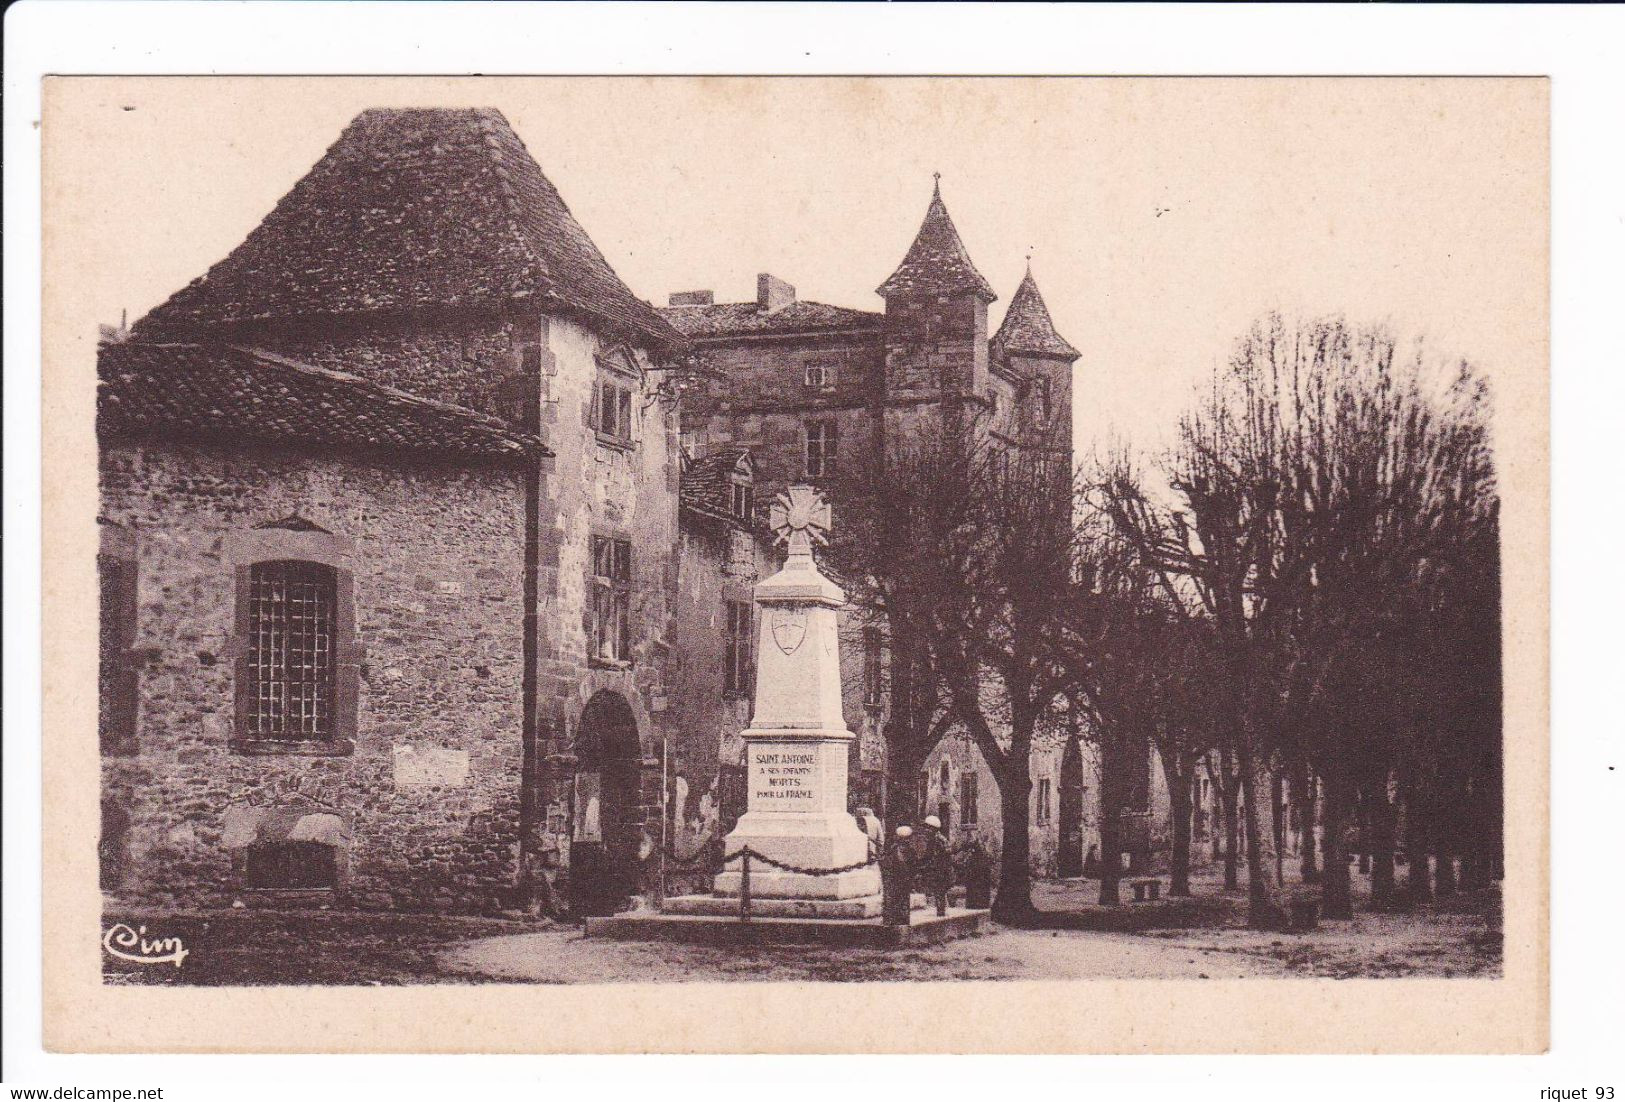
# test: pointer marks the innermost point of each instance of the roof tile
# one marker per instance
(219, 393)
(411, 209)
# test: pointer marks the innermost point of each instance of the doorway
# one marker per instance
(606, 816)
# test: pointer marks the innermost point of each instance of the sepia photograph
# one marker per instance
(467, 614)
(853, 532)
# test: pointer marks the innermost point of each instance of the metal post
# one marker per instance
(744, 886)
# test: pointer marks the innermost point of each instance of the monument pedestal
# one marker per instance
(796, 777)
(796, 748)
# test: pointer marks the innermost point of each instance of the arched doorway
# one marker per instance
(1069, 859)
(607, 823)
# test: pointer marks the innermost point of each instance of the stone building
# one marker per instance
(815, 392)
(427, 253)
(427, 553)
(309, 621)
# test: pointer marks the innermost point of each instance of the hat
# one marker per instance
(933, 822)
(904, 832)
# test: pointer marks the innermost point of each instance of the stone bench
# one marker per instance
(1146, 888)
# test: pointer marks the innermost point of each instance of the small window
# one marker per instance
(612, 410)
(967, 798)
(1043, 801)
(873, 670)
(739, 657)
(819, 374)
(612, 598)
(744, 500)
(291, 866)
(1045, 399)
(291, 644)
(821, 449)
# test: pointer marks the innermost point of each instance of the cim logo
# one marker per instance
(134, 945)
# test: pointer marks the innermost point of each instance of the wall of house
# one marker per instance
(430, 793)
(759, 399)
(631, 493)
(717, 562)
(1044, 834)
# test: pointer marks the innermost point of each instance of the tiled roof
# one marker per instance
(937, 262)
(1027, 328)
(409, 209)
(745, 319)
(706, 487)
(218, 393)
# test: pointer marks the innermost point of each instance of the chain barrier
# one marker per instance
(698, 861)
(745, 855)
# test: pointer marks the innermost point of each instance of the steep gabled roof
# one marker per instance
(707, 486)
(937, 262)
(188, 393)
(747, 319)
(411, 209)
(1027, 329)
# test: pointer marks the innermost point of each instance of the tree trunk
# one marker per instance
(1444, 865)
(1306, 828)
(903, 758)
(1111, 817)
(1264, 910)
(1362, 819)
(1278, 825)
(1336, 901)
(1179, 797)
(1419, 875)
(1381, 817)
(1232, 844)
(1013, 902)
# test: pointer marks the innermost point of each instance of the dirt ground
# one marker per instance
(1457, 937)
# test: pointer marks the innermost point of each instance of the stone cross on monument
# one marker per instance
(796, 745)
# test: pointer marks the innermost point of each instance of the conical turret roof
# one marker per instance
(412, 209)
(937, 262)
(1027, 329)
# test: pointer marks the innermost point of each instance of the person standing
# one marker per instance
(937, 871)
(896, 872)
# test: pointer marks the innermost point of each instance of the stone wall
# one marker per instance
(600, 487)
(759, 399)
(430, 794)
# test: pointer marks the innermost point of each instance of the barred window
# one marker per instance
(291, 640)
(739, 659)
(821, 449)
(612, 598)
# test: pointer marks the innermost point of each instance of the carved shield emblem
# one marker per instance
(789, 628)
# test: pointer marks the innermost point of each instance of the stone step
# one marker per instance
(866, 906)
(869, 933)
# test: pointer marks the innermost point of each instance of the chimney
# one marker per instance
(690, 298)
(773, 294)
